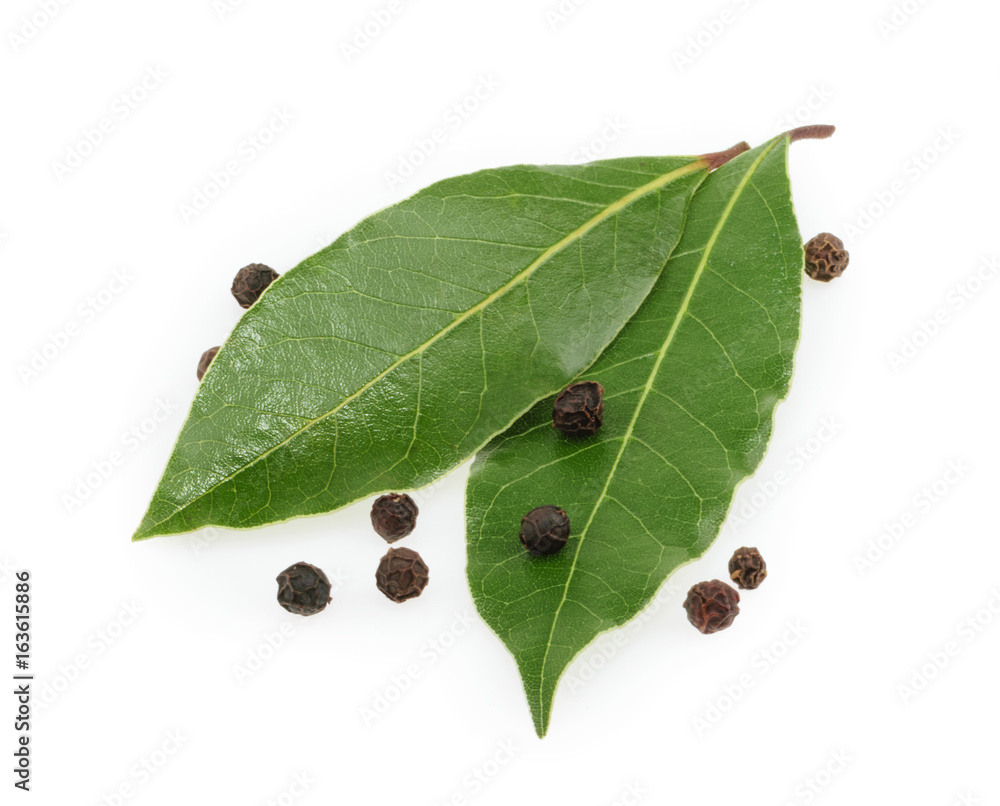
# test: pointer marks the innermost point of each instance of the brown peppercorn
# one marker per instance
(712, 606)
(401, 574)
(747, 568)
(394, 516)
(544, 530)
(205, 360)
(303, 589)
(250, 282)
(579, 409)
(826, 257)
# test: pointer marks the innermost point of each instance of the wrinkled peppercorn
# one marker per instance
(747, 568)
(394, 516)
(544, 530)
(205, 360)
(826, 257)
(579, 409)
(401, 574)
(303, 589)
(712, 606)
(250, 282)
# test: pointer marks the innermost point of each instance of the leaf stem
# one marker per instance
(719, 158)
(817, 131)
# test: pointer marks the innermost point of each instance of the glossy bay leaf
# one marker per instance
(691, 385)
(394, 354)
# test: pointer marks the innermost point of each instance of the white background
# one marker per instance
(909, 181)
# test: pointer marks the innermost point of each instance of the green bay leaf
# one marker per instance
(691, 384)
(394, 354)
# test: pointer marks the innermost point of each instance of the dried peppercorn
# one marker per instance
(747, 568)
(401, 575)
(826, 257)
(579, 409)
(712, 606)
(394, 516)
(544, 530)
(205, 360)
(250, 282)
(303, 589)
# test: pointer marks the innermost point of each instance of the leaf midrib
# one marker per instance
(710, 244)
(522, 276)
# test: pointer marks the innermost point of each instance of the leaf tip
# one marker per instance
(144, 531)
(817, 131)
(719, 158)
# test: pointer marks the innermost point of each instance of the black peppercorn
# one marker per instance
(394, 516)
(544, 530)
(579, 409)
(401, 574)
(826, 257)
(250, 282)
(712, 606)
(303, 589)
(747, 568)
(205, 360)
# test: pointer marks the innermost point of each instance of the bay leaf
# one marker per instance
(394, 354)
(691, 385)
